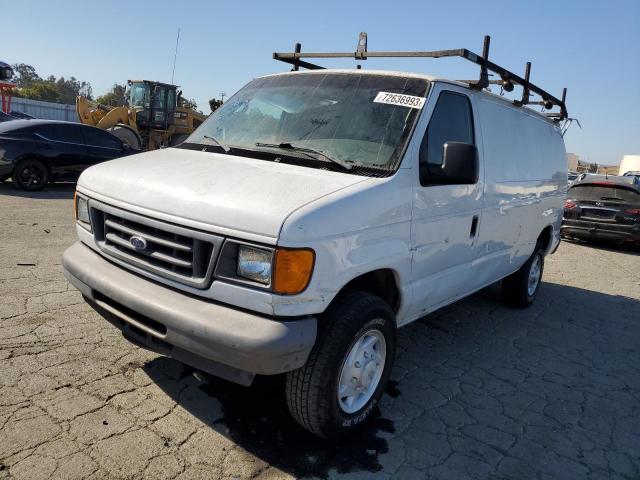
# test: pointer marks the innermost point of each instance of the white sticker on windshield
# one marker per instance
(399, 99)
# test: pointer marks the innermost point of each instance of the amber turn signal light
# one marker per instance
(292, 271)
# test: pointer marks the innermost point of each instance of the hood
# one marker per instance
(220, 191)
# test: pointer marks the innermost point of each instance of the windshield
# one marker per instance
(138, 95)
(338, 115)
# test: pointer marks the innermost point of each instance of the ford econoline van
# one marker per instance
(312, 215)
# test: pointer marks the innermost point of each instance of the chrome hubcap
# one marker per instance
(361, 371)
(534, 275)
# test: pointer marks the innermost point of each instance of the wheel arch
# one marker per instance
(33, 156)
(382, 282)
(545, 238)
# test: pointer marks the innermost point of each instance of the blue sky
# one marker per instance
(591, 47)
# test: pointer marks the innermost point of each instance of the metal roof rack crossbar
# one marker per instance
(507, 79)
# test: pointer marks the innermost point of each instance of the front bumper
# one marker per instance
(596, 230)
(218, 339)
(5, 168)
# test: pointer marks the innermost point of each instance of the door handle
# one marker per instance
(474, 226)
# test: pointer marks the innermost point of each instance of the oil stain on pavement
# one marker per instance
(257, 419)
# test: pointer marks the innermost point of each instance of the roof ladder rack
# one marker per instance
(507, 79)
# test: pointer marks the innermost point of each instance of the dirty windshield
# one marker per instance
(358, 121)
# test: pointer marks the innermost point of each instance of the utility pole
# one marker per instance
(175, 56)
(222, 95)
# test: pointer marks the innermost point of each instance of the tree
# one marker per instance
(42, 90)
(214, 104)
(117, 97)
(68, 90)
(25, 75)
(52, 89)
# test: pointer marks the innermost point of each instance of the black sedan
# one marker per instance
(604, 207)
(35, 152)
(5, 117)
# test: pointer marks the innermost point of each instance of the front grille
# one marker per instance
(184, 255)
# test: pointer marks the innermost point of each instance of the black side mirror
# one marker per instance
(460, 166)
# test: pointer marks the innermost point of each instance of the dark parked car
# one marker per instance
(572, 176)
(5, 117)
(35, 152)
(21, 115)
(606, 207)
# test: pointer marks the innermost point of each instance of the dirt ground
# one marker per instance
(479, 390)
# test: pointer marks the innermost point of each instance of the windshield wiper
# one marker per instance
(218, 142)
(312, 152)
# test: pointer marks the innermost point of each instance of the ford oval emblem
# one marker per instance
(138, 243)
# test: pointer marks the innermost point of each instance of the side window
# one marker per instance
(171, 100)
(159, 99)
(451, 121)
(97, 138)
(62, 132)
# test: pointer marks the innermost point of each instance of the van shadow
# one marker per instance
(446, 362)
(257, 419)
(63, 190)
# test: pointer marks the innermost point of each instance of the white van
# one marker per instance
(312, 215)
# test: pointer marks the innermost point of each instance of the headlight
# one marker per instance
(255, 264)
(82, 211)
(286, 270)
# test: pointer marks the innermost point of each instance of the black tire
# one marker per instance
(30, 174)
(126, 135)
(312, 390)
(515, 287)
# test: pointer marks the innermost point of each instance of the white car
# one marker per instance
(312, 215)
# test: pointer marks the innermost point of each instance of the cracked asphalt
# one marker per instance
(479, 390)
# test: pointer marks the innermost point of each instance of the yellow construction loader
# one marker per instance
(152, 119)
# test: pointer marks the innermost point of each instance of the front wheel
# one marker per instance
(348, 368)
(30, 175)
(520, 288)
(126, 136)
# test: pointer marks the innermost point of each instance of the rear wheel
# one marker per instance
(30, 175)
(348, 368)
(127, 136)
(520, 288)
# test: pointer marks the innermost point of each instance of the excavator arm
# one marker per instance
(120, 121)
(103, 116)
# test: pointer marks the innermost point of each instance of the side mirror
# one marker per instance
(460, 166)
